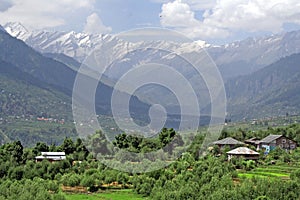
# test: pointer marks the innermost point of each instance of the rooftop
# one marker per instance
(270, 138)
(52, 156)
(228, 141)
(242, 151)
(253, 140)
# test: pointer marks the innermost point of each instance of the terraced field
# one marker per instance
(125, 194)
(276, 171)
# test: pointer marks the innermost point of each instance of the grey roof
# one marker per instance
(228, 141)
(252, 139)
(243, 151)
(270, 138)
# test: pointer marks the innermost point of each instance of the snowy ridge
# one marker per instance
(79, 45)
(17, 30)
(76, 45)
(237, 58)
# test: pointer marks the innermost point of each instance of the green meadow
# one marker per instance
(107, 195)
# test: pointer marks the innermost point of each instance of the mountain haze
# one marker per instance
(234, 59)
(260, 73)
(33, 86)
(271, 91)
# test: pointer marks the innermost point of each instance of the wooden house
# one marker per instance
(243, 152)
(229, 141)
(270, 142)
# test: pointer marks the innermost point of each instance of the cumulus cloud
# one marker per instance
(180, 15)
(177, 14)
(200, 5)
(223, 17)
(42, 13)
(254, 15)
(95, 25)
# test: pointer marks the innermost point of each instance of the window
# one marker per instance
(283, 141)
(292, 146)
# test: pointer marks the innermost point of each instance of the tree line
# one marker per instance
(191, 176)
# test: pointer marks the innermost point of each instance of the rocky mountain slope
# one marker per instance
(237, 58)
(271, 91)
(51, 72)
(268, 67)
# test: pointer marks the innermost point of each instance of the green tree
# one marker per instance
(68, 146)
(40, 147)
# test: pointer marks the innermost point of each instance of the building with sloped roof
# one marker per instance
(51, 156)
(229, 141)
(243, 152)
(270, 142)
(252, 141)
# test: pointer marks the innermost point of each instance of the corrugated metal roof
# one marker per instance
(228, 141)
(243, 151)
(270, 138)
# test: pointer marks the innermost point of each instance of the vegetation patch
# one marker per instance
(107, 195)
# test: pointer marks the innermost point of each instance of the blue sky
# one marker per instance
(215, 21)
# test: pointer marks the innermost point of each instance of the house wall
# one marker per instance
(282, 142)
(247, 157)
(286, 143)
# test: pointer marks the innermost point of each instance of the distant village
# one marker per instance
(237, 148)
(267, 144)
(32, 118)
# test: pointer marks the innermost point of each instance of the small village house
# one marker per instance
(51, 156)
(270, 142)
(243, 152)
(229, 141)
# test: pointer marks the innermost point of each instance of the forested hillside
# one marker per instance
(271, 91)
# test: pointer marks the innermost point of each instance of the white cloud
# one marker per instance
(222, 17)
(200, 4)
(254, 15)
(195, 4)
(179, 15)
(95, 25)
(39, 14)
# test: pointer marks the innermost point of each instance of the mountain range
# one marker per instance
(259, 73)
(36, 85)
(237, 58)
(271, 91)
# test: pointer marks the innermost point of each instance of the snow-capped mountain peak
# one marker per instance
(73, 44)
(237, 58)
(16, 29)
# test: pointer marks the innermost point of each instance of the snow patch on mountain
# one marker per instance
(237, 58)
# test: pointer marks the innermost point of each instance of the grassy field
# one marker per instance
(107, 195)
(276, 171)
